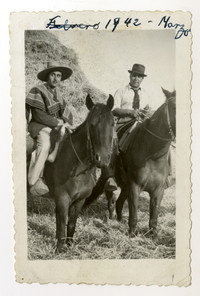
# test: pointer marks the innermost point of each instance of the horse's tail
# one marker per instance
(96, 192)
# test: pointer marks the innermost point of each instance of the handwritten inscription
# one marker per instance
(112, 25)
(165, 21)
(127, 22)
(66, 26)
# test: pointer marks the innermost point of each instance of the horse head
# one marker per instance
(171, 111)
(100, 124)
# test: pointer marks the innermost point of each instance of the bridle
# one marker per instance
(171, 132)
(90, 148)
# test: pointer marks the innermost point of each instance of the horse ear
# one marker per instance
(169, 94)
(110, 102)
(166, 93)
(89, 103)
(174, 94)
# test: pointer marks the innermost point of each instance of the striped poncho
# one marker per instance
(46, 107)
(41, 97)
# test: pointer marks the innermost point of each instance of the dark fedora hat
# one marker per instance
(51, 67)
(138, 69)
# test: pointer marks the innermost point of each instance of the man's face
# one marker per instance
(135, 80)
(54, 79)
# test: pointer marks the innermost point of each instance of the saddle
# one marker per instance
(123, 132)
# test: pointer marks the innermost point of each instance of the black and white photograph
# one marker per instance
(101, 147)
(101, 130)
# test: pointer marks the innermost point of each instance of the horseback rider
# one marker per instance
(48, 110)
(131, 102)
(131, 99)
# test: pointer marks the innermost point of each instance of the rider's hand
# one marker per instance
(60, 122)
(135, 113)
(146, 112)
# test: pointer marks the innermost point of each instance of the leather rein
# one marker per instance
(171, 132)
(89, 145)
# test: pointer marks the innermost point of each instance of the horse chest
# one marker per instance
(79, 187)
(153, 173)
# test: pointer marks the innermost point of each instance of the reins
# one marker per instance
(168, 121)
(156, 136)
(73, 148)
(80, 161)
(169, 126)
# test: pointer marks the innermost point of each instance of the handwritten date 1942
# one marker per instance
(128, 21)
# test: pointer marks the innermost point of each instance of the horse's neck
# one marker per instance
(79, 143)
(157, 141)
(158, 124)
(153, 144)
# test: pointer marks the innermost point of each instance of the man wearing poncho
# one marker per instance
(47, 107)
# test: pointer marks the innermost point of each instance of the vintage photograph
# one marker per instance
(101, 130)
(101, 153)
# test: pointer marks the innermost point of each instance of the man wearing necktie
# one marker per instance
(130, 102)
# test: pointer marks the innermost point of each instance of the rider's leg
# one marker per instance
(38, 160)
(108, 173)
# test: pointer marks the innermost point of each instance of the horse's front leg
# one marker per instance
(62, 208)
(155, 200)
(74, 210)
(133, 199)
(120, 203)
(111, 204)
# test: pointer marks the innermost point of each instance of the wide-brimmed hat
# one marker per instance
(138, 69)
(54, 66)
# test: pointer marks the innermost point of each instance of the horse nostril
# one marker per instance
(98, 158)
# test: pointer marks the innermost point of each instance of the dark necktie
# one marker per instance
(136, 99)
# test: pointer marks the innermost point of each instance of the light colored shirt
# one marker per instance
(124, 98)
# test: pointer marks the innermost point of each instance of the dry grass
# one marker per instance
(97, 237)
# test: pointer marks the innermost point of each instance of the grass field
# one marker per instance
(97, 237)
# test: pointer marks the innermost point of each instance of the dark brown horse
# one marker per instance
(70, 178)
(144, 166)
